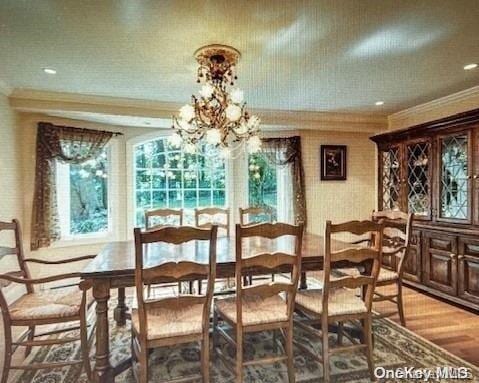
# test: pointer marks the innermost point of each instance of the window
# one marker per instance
(262, 184)
(82, 197)
(166, 177)
(270, 186)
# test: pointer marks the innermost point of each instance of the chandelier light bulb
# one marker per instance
(254, 144)
(213, 136)
(237, 96)
(233, 112)
(206, 91)
(253, 122)
(187, 112)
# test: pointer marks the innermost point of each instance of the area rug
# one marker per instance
(395, 347)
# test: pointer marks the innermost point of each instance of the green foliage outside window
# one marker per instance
(262, 183)
(89, 196)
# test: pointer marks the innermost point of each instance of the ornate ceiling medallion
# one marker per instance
(217, 118)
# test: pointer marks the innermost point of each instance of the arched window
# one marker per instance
(165, 176)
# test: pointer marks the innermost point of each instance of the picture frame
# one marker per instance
(333, 162)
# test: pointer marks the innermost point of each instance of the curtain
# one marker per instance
(287, 152)
(68, 145)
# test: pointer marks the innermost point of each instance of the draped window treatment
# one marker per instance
(68, 145)
(283, 152)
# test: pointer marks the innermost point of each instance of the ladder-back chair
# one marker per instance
(178, 319)
(337, 302)
(261, 307)
(37, 308)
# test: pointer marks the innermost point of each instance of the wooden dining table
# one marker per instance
(114, 268)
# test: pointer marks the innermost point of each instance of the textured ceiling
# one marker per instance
(331, 55)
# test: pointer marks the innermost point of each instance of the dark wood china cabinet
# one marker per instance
(432, 170)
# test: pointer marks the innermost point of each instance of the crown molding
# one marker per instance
(5, 89)
(462, 101)
(35, 101)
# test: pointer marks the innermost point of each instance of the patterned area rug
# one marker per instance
(394, 347)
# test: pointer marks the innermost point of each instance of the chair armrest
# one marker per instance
(52, 278)
(61, 261)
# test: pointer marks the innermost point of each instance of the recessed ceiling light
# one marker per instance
(50, 70)
(470, 66)
(379, 103)
(147, 123)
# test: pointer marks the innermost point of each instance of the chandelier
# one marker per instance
(217, 118)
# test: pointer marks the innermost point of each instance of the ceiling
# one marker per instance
(318, 55)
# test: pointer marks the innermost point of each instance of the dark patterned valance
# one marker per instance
(283, 151)
(69, 145)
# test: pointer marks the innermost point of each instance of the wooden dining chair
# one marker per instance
(42, 307)
(261, 307)
(396, 244)
(207, 217)
(337, 301)
(163, 218)
(246, 215)
(166, 216)
(178, 319)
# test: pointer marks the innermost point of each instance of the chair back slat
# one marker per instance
(17, 274)
(204, 218)
(162, 213)
(266, 290)
(369, 256)
(269, 230)
(175, 271)
(352, 282)
(354, 255)
(267, 260)
(245, 215)
(174, 235)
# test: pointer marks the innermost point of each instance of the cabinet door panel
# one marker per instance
(418, 178)
(440, 261)
(412, 263)
(468, 269)
(390, 193)
(455, 168)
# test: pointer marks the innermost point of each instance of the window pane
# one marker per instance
(205, 179)
(189, 180)
(159, 180)
(219, 198)
(143, 180)
(175, 199)
(159, 199)
(190, 199)
(89, 196)
(262, 182)
(205, 198)
(174, 179)
(143, 199)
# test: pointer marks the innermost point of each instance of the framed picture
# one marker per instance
(333, 162)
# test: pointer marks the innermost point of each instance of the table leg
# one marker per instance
(120, 310)
(303, 284)
(103, 372)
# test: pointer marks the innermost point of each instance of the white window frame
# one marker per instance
(63, 202)
(131, 147)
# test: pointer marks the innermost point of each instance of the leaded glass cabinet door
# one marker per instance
(454, 204)
(390, 197)
(418, 179)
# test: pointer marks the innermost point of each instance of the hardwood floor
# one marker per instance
(450, 327)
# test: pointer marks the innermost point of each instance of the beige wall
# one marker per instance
(339, 201)
(10, 164)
